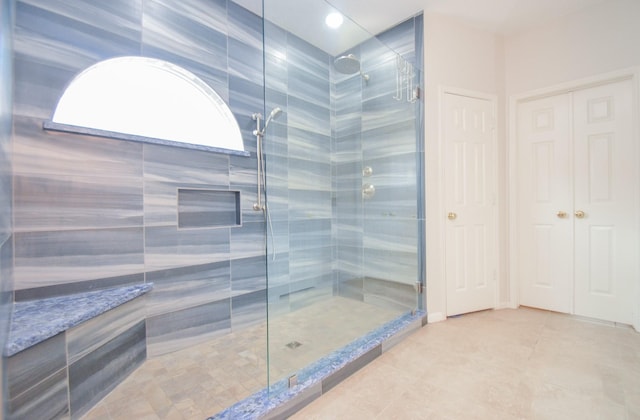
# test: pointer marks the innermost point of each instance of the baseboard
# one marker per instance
(435, 317)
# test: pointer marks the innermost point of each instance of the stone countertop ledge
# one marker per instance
(34, 321)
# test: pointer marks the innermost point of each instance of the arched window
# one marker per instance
(148, 100)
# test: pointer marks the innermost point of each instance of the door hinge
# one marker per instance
(419, 287)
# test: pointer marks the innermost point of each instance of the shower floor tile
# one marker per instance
(202, 380)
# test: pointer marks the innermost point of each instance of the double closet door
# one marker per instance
(578, 202)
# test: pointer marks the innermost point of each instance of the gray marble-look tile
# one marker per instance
(307, 87)
(309, 116)
(400, 38)
(277, 238)
(204, 208)
(76, 202)
(278, 272)
(305, 204)
(88, 336)
(190, 34)
(275, 66)
(93, 376)
(46, 400)
(309, 234)
(249, 240)
(246, 98)
(307, 145)
(184, 328)
(349, 286)
(390, 294)
(245, 61)
(31, 366)
(248, 275)
(56, 40)
(309, 175)
(248, 309)
(175, 165)
(78, 287)
(167, 247)
(395, 138)
(306, 57)
(6, 285)
(244, 25)
(311, 264)
(243, 177)
(184, 287)
(45, 153)
(304, 298)
(58, 257)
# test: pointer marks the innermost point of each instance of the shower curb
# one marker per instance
(279, 401)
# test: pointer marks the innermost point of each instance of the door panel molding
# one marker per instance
(597, 110)
(485, 185)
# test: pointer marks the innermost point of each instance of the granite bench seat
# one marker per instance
(65, 353)
(35, 321)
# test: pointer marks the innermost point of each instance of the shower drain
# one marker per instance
(294, 344)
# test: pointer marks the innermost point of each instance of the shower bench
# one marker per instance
(65, 353)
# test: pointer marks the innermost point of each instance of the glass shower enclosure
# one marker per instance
(343, 164)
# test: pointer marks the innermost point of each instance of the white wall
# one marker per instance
(460, 56)
(597, 40)
(600, 39)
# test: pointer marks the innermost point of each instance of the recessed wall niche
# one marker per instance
(147, 100)
(208, 208)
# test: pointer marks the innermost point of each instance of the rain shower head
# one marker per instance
(347, 64)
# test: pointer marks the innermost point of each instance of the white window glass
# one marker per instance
(151, 98)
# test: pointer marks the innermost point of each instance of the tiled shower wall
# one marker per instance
(327, 239)
(6, 244)
(375, 125)
(93, 212)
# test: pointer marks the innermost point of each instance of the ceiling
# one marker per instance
(305, 18)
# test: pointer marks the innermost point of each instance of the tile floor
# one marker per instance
(506, 364)
(204, 379)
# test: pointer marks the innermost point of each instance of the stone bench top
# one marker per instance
(34, 321)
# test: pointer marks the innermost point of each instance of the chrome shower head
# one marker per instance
(347, 64)
(275, 113)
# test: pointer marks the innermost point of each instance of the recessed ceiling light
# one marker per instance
(334, 20)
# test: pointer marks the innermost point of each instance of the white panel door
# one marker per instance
(470, 198)
(545, 237)
(606, 202)
(578, 203)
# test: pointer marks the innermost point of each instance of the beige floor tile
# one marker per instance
(508, 364)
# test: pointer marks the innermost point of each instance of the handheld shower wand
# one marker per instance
(259, 133)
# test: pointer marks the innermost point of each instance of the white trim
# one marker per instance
(435, 317)
(493, 100)
(632, 73)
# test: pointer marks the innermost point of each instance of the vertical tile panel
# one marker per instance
(181, 288)
(56, 40)
(93, 376)
(191, 34)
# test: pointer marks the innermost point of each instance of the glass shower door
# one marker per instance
(342, 183)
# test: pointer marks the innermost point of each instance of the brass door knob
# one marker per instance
(580, 214)
(452, 216)
(561, 214)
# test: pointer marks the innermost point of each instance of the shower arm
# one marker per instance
(259, 133)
